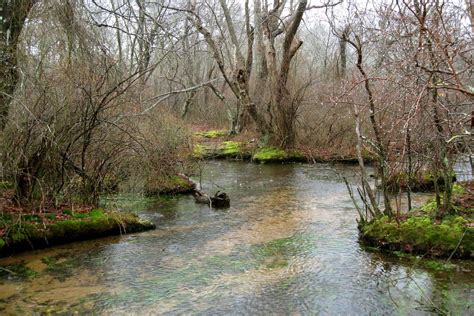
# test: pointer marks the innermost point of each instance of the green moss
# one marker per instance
(273, 154)
(2, 243)
(212, 133)
(20, 232)
(178, 181)
(278, 252)
(429, 207)
(402, 254)
(231, 148)
(198, 151)
(93, 224)
(222, 150)
(421, 234)
(168, 185)
(270, 153)
(229, 264)
(67, 227)
(97, 213)
(458, 189)
(438, 265)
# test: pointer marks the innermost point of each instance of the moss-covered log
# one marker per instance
(273, 154)
(223, 150)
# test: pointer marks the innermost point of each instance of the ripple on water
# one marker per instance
(287, 245)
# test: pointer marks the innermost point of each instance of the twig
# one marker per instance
(8, 271)
(457, 246)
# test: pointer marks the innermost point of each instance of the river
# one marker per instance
(287, 245)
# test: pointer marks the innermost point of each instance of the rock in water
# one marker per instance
(220, 200)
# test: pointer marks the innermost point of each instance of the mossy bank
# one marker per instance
(223, 150)
(420, 232)
(169, 185)
(219, 144)
(35, 231)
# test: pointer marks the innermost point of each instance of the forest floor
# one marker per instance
(420, 232)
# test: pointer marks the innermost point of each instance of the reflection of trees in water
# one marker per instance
(440, 292)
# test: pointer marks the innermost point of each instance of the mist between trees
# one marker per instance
(103, 95)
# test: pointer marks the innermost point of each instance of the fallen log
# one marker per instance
(219, 200)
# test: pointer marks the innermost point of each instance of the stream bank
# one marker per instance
(420, 232)
(22, 232)
(217, 144)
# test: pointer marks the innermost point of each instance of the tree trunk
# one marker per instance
(13, 16)
(278, 74)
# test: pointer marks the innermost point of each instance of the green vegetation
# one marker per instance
(169, 185)
(277, 252)
(422, 231)
(418, 261)
(420, 182)
(229, 264)
(422, 234)
(5, 185)
(199, 151)
(273, 154)
(212, 133)
(222, 150)
(17, 272)
(22, 234)
(231, 148)
(438, 265)
(429, 208)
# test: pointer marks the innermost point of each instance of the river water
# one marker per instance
(287, 245)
